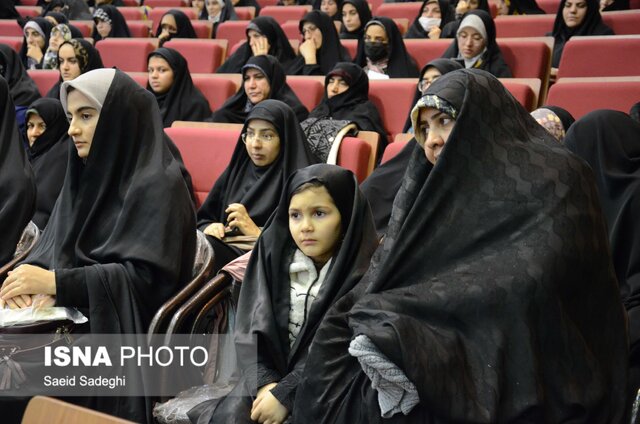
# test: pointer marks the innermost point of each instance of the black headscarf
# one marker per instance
(484, 288)
(491, 60)
(331, 51)
(234, 110)
(444, 66)
(46, 27)
(608, 141)
(591, 25)
(23, 90)
(8, 10)
(353, 104)
(258, 188)
(48, 156)
(183, 24)
(364, 12)
(401, 65)
(278, 42)
(17, 188)
(447, 13)
(72, 9)
(183, 101)
(119, 27)
(88, 59)
(246, 3)
(118, 247)
(263, 308)
(524, 7)
(634, 112)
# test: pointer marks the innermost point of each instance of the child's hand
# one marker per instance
(266, 409)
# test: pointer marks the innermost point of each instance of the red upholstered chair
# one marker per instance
(526, 58)
(203, 56)
(616, 56)
(140, 77)
(85, 27)
(245, 13)
(283, 14)
(30, 11)
(44, 79)
(351, 46)
(524, 25)
(14, 42)
(265, 3)
(291, 30)
(157, 12)
(203, 29)
(399, 10)
(166, 3)
(10, 28)
(393, 98)
(308, 89)
(425, 50)
(216, 90)
(29, 2)
(582, 95)
(522, 92)
(131, 13)
(623, 22)
(140, 29)
(354, 155)
(131, 3)
(126, 54)
(549, 6)
(392, 150)
(232, 31)
(206, 153)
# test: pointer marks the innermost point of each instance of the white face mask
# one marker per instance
(428, 23)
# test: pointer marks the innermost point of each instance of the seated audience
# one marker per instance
(355, 15)
(174, 24)
(35, 42)
(554, 119)
(109, 23)
(75, 57)
(431, 19)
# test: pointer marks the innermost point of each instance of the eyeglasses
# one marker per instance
(264, 138)
(425, 83)
(309, 29)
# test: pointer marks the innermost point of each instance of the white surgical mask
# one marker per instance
(428, 23)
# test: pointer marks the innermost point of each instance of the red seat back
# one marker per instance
(141, 78)
(308, 90)
(29, 11)
(131, 13)
(232, 31)
(14, 42)
(10, 28)
(157, 13)
(203, 29)
(407, 10)
(352, 46)
(206, 153)
(354, 155)
(393, 98)
(245, 13)
(139, 29)
(623, 22)
(203, 56)
(291, 30)
(425, 50)
(523, 93)
(166, 3)
(44, 79)
(85, 27)
(549, 6)
(126, 54)
(283, 14)
(583, 95)
(526, 58)
(216, 90)
(616, 56)
(391, 150)
(524, 25)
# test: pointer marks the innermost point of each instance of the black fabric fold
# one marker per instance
(17, 186)
(484, 289)
(183, 101)
(22, 88)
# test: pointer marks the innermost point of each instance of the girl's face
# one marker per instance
(262, 142)
(34, 38)
(68, 64)
(35, 128)
(160, 74)
(350, 17)
(83, 118)
(104, 28)
(55, 40)
(213, 7)
(330, 7)
(336, 85)
(574, 12)
(436, 127)
(470, 43)
(315, 224)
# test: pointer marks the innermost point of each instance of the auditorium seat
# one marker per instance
(140, 77)
(29, 2)
(85, 27)
(527, 58)
(524, 25)
(395, 147)
(265, 3)
(139, 29)
(44, 79)
(245, 13)
(126, 54)
(206, 153)
(130, 3)
(354, 155)
(232, 31)
(132, 13)
(603, 56)
(291, 29)
(283, 14)
(216, 90)
(407, 10)
(166, 3)
(393, 98)
(203, 29)
(14, 42)
(204, 56)
(309, 89)
(549, 6)
(351, 46)
(623, 22)
(425, 50)
(582, 95)
(10, 28)
(29, 11)
(157, 13)
(522, 93)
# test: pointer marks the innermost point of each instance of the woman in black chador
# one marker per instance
(48, 152)
(22, 88)
(114, 246)
(608, 141)
(478, 305)
(272, 146)
(17, 187)
(174, 24)
(109, 23)
(262, 78)
(432, 18)
(264, 36)
(171, 84)
(313, 250)
(355, 15)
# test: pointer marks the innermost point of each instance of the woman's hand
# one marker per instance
(434, 32)
(18, 302)
(215, 230)
(28, 280)
(308, 50)
(260, 46)
(462, 7)
(43, 301)
(35, 52)
(238, 217)
(266, 409)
